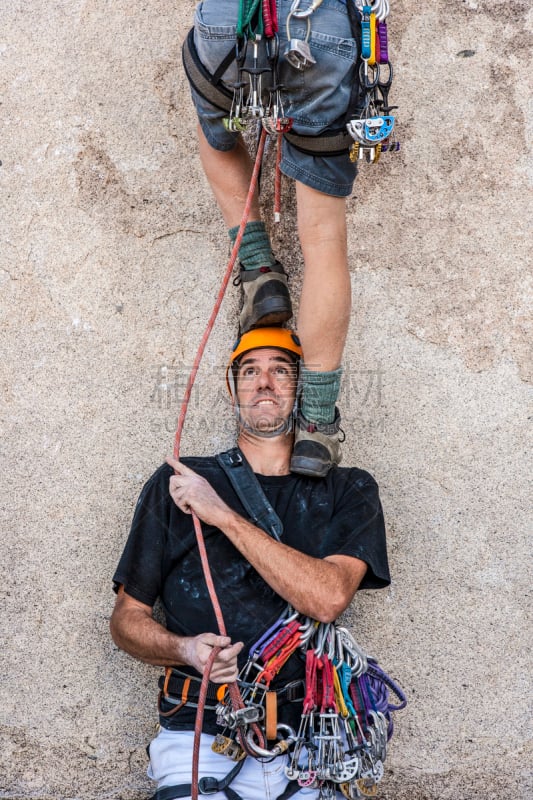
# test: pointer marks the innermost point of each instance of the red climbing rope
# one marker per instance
(221, 293)
(234, 689)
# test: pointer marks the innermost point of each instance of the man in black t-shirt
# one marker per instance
(333, 543)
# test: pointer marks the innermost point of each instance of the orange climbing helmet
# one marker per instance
(279, 338)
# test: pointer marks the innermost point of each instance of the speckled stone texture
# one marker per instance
(111, 254)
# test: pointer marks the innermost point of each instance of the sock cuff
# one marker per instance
(255, 250)
(319, 394)
(257, 226)
(316, 378)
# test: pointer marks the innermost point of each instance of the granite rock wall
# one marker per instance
(111, 254)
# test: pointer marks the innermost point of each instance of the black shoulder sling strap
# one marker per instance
(249, 492)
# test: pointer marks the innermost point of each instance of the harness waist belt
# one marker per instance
(173, 683)
(331, 143)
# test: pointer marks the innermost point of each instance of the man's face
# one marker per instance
(266, 388)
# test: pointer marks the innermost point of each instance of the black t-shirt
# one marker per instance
(337, 515)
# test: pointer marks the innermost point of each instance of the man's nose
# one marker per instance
(264, 379)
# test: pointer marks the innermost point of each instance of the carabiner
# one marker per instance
(241, 44)
(288, 27)
(321, 638)
(308, 11)
(385, 84)
(364, 78)
(279, 748)
(272, 49)
(308, 629)
(380, 8)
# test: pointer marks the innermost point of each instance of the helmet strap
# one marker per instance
(286, 426)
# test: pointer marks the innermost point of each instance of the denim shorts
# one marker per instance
(316, 98)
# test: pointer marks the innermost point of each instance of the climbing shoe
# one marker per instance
(266, 297)
(316, 446)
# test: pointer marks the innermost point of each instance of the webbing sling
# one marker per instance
(211, 88)
(205, 786)
(249, 492)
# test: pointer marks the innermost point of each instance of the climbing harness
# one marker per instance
(366, 130)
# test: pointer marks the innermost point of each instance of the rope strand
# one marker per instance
(221, 293)
(234, 689)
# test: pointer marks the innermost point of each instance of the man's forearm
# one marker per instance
(142, 637)
(134, 630)
(318, 588)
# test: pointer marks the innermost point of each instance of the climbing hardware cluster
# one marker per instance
(372, 123)
(257, 25)
(346, 724)
(258, 94)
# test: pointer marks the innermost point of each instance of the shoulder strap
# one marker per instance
(249, 492)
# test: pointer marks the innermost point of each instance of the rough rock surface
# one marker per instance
(111, 254)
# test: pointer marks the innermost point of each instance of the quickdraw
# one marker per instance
(372, 124)
(346, 720)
